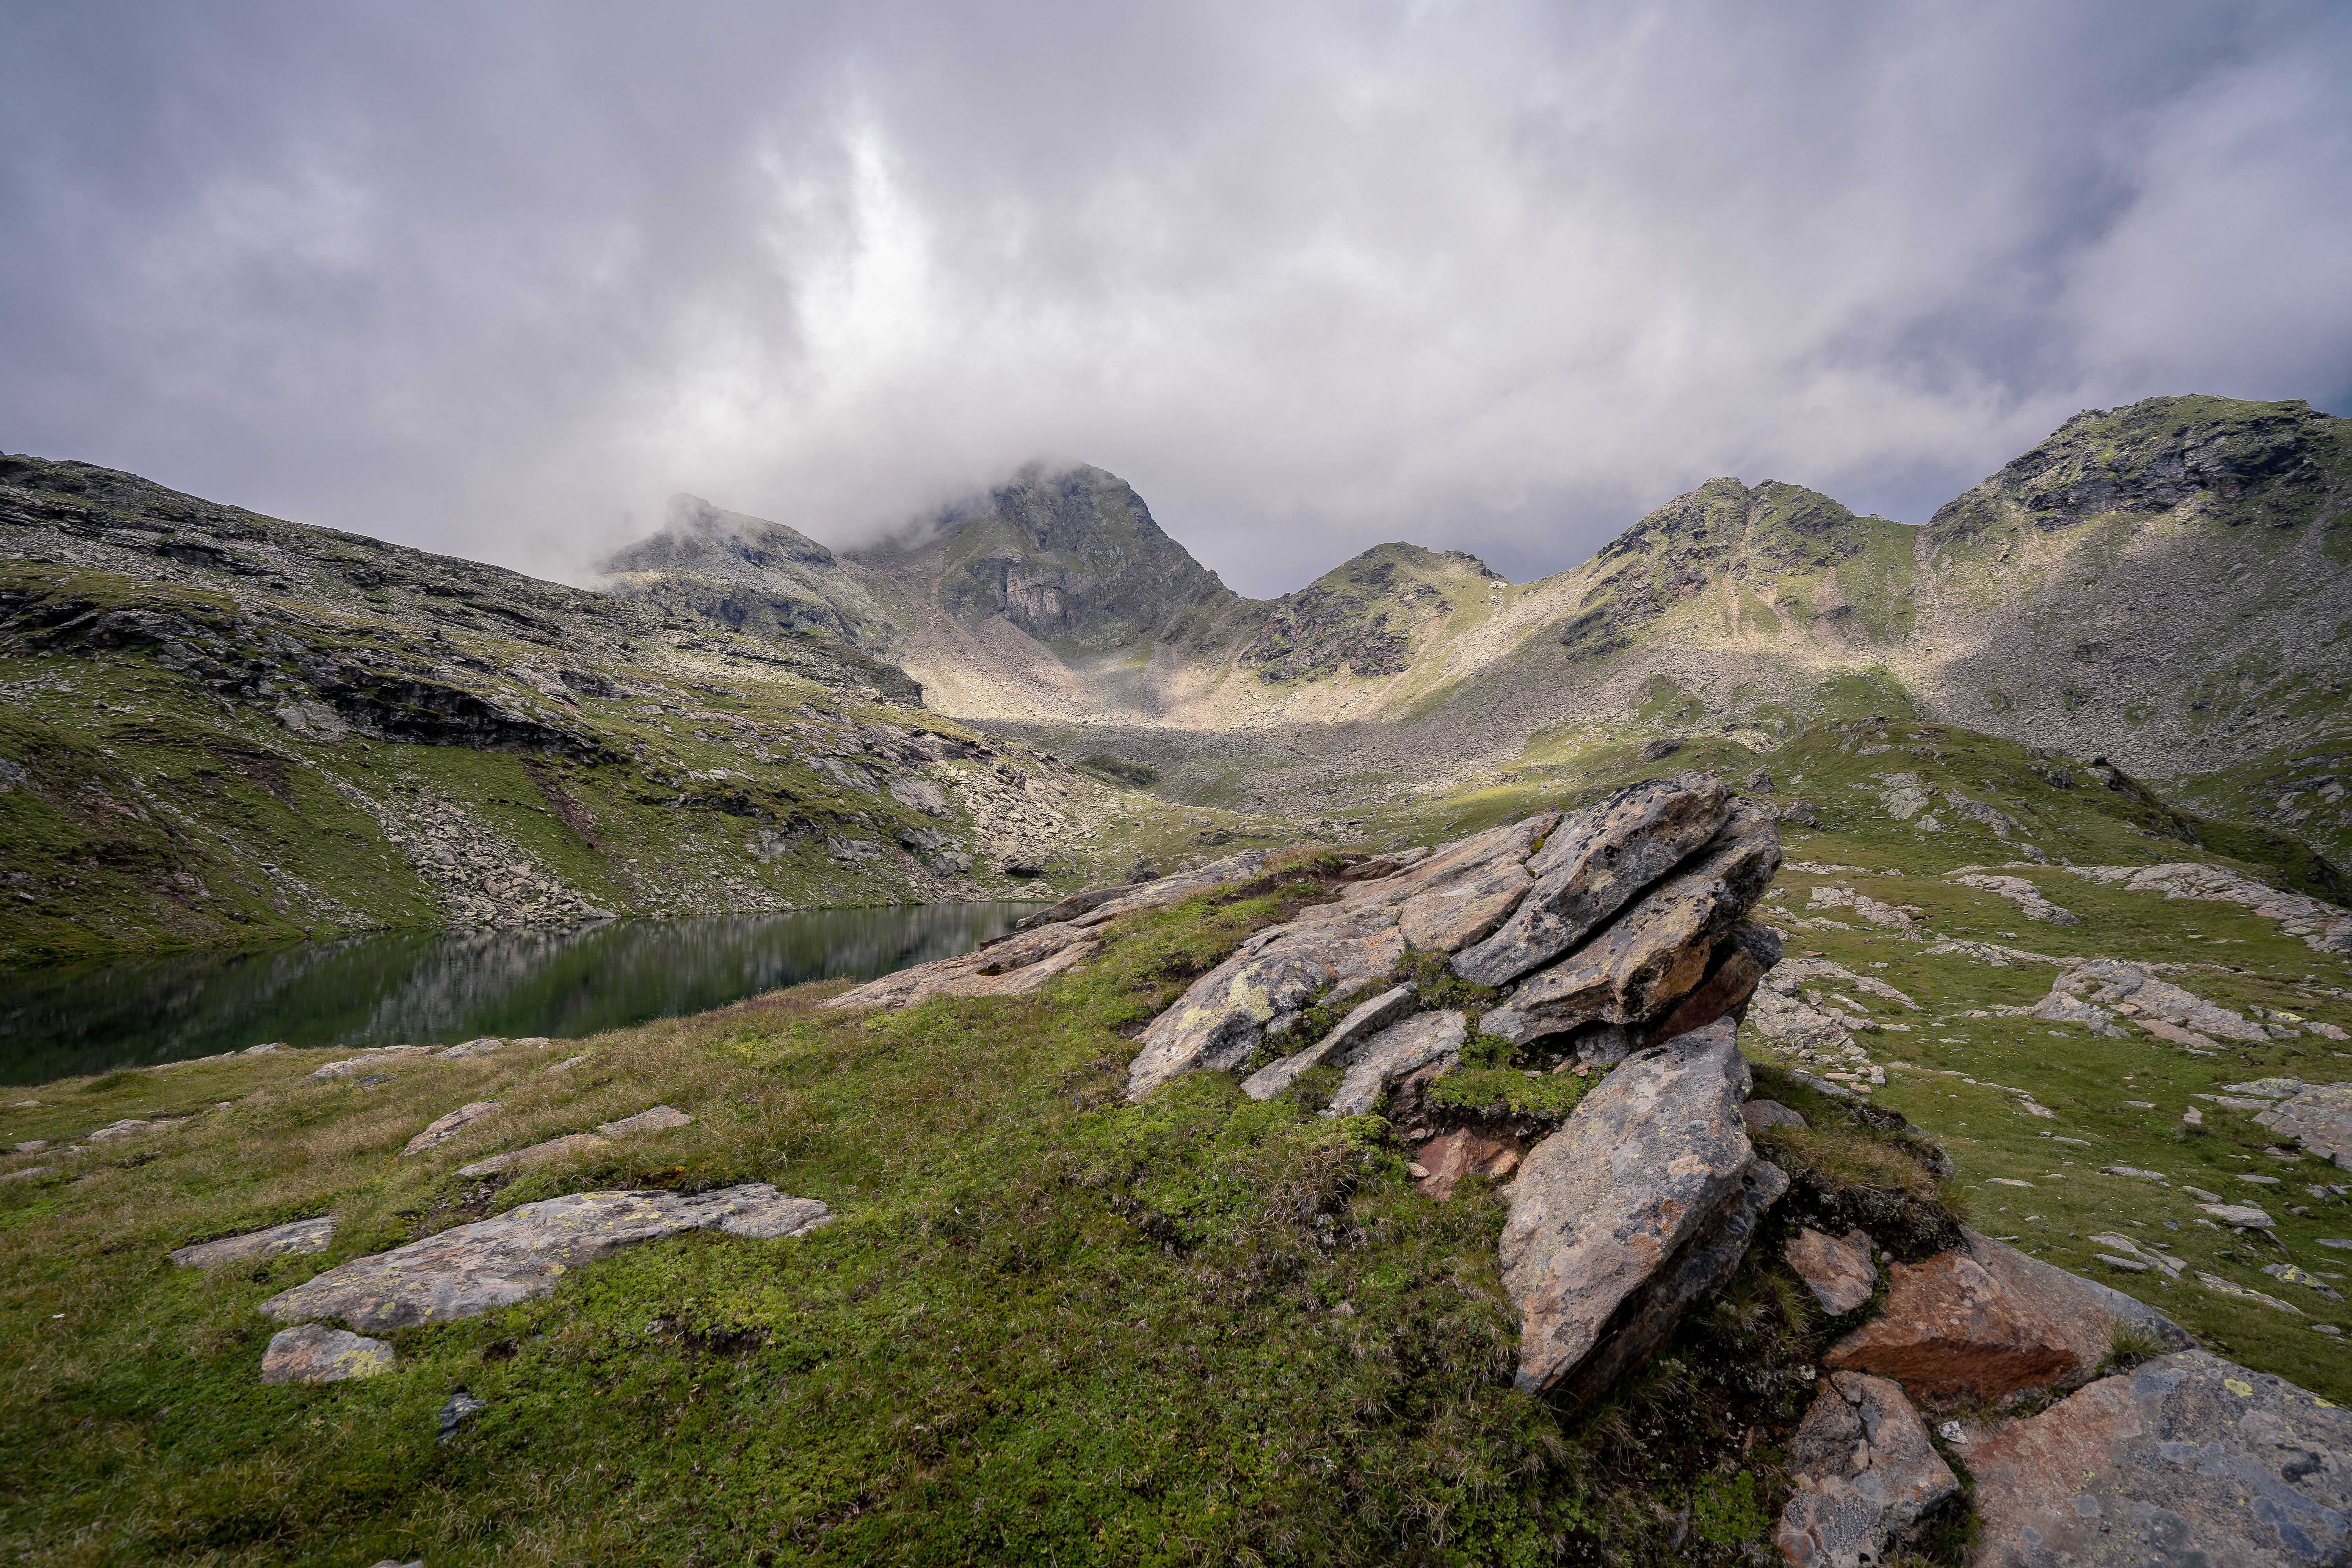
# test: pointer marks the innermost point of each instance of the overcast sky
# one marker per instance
(496, 279)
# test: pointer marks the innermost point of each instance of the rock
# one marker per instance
(2290, 1274)
(31, 1145)
(477, 1047)
(2317, 1116)
(2109, 981)
(314, 1352)
(314, 721)
(542, 1154)
(1761, 1114)
(293, 1239)
(2058, 1007)
(1372, 868)
(367, 1061)
(1865, 1472)
(129, 1127)
(1368, 1019)
(659, 1119)
(1441, 1163)
(1704, 1265)
(517, 1255)
(1838, 1270)
(1985, 1320)
(2025, 895)
(1648, 1161)
(27, 1172)
(2236, 1292)
(1658, 949)
(1594, 863)
(1727, 987)
(2244, 1214)
(453, 1415)
(2187, 1459)
(445, 1128)
(1450, 918)
(1399, 1050)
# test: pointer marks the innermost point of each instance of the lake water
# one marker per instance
(422, 989)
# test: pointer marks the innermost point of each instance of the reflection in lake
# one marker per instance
(392, 990)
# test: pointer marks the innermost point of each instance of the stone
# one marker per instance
(1727, 987)
(486, 1263)
(314, 1352)
(129, 1127)
(2317, 1116)
(1597, 861)
(542, 1154)
(2025, 895)
(295, 1238)
(2109, 981)
(367, 1061)
(453, 1415)
(1366, 1019)
(2244, 1214)
(1865, 1472)
(27, 1172)
(1658, 949)
(661, 1118)
(1838, 1270)
(1985, 1320)
(1704, 1265)
(477, 1047)
(1441, 1164)
(444, 1128)
(1395, 1051)
(1760, 1114)
(2186, 1459)
(2236, 1292)
(1447, 920)
(1648, 1161)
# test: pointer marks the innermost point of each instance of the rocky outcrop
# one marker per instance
(1647, 1162)
(1986, 1319)
(2319, 1116)
(316, 1354)
(1865, 1472)
(1367, 1019)
(296, 1238)
(1594, 863)
(1658, 949)
(2102, 989)
(2184, 1459)
(1394, 1052)
(2323, 927)
(517, 1255)
(2023, 894)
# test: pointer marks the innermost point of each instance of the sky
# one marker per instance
(498, 279)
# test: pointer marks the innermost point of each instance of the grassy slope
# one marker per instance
(1047, 1327)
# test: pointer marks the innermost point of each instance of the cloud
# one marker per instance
(1312, 277)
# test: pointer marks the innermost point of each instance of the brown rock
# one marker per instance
(1761, 1114)
(1447, 920)
(1657, 951)
(1648, 1160)
(2187, 1459)
(1864, 1471)
(1594, 863)
(1985, 1320)
(442, 1129)
(1838, 1270)
(1728, 986)
(1445, 1160)
(314, 1352)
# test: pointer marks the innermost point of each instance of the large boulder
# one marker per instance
(473, 1268)
(1864, 1471)
(1648, 1160)
(1659, 949)
(1985, 1320)
(2187, 1459)
(1593, 864)
(2113, 985)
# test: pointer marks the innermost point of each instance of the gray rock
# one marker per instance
(1658, 949)
(1368, 1019)
(1704, 1264)
(1594, 863)
(453, 1415)
(444, 1128)
(129, 1127)
(27, 1172)
(1761, 1114)
(514, 1257)
(293, 1239)
(542, 1153)
(367, 1061)
(1648, 1160)
(660, 1119)
(314, 1352)
(475, 1047)
(2317, 1116)
(1864, 1471)
(1447, 919)
(1399, 1050)
(2107, 982)
(1838, 1270)
(2187, 1459)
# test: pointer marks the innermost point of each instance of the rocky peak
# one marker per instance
(701, 537)
(1361, 615)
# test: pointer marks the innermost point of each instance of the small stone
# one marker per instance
(32, 1145)
(445, 1128)
(295, 1238)
(477, 1047)
(1838, 1271)
(542, 1153)
(1865, 1470)
(1444, 1161)
(1760, 1114)
(2245, 1214)
(660, 1119)
(313, 1353)
(453, 1415)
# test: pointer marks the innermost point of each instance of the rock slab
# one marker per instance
(314, 1352)
(2187, 1459)
(1367, 1018)
(1838, 1270)
(293, 1239)
(1864, 1471)
(2319, 1117)
(1648, 1161)
(1395, 1051)
(477, 1267)
(441, 1128)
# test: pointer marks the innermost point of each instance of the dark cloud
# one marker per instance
(498, 279)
